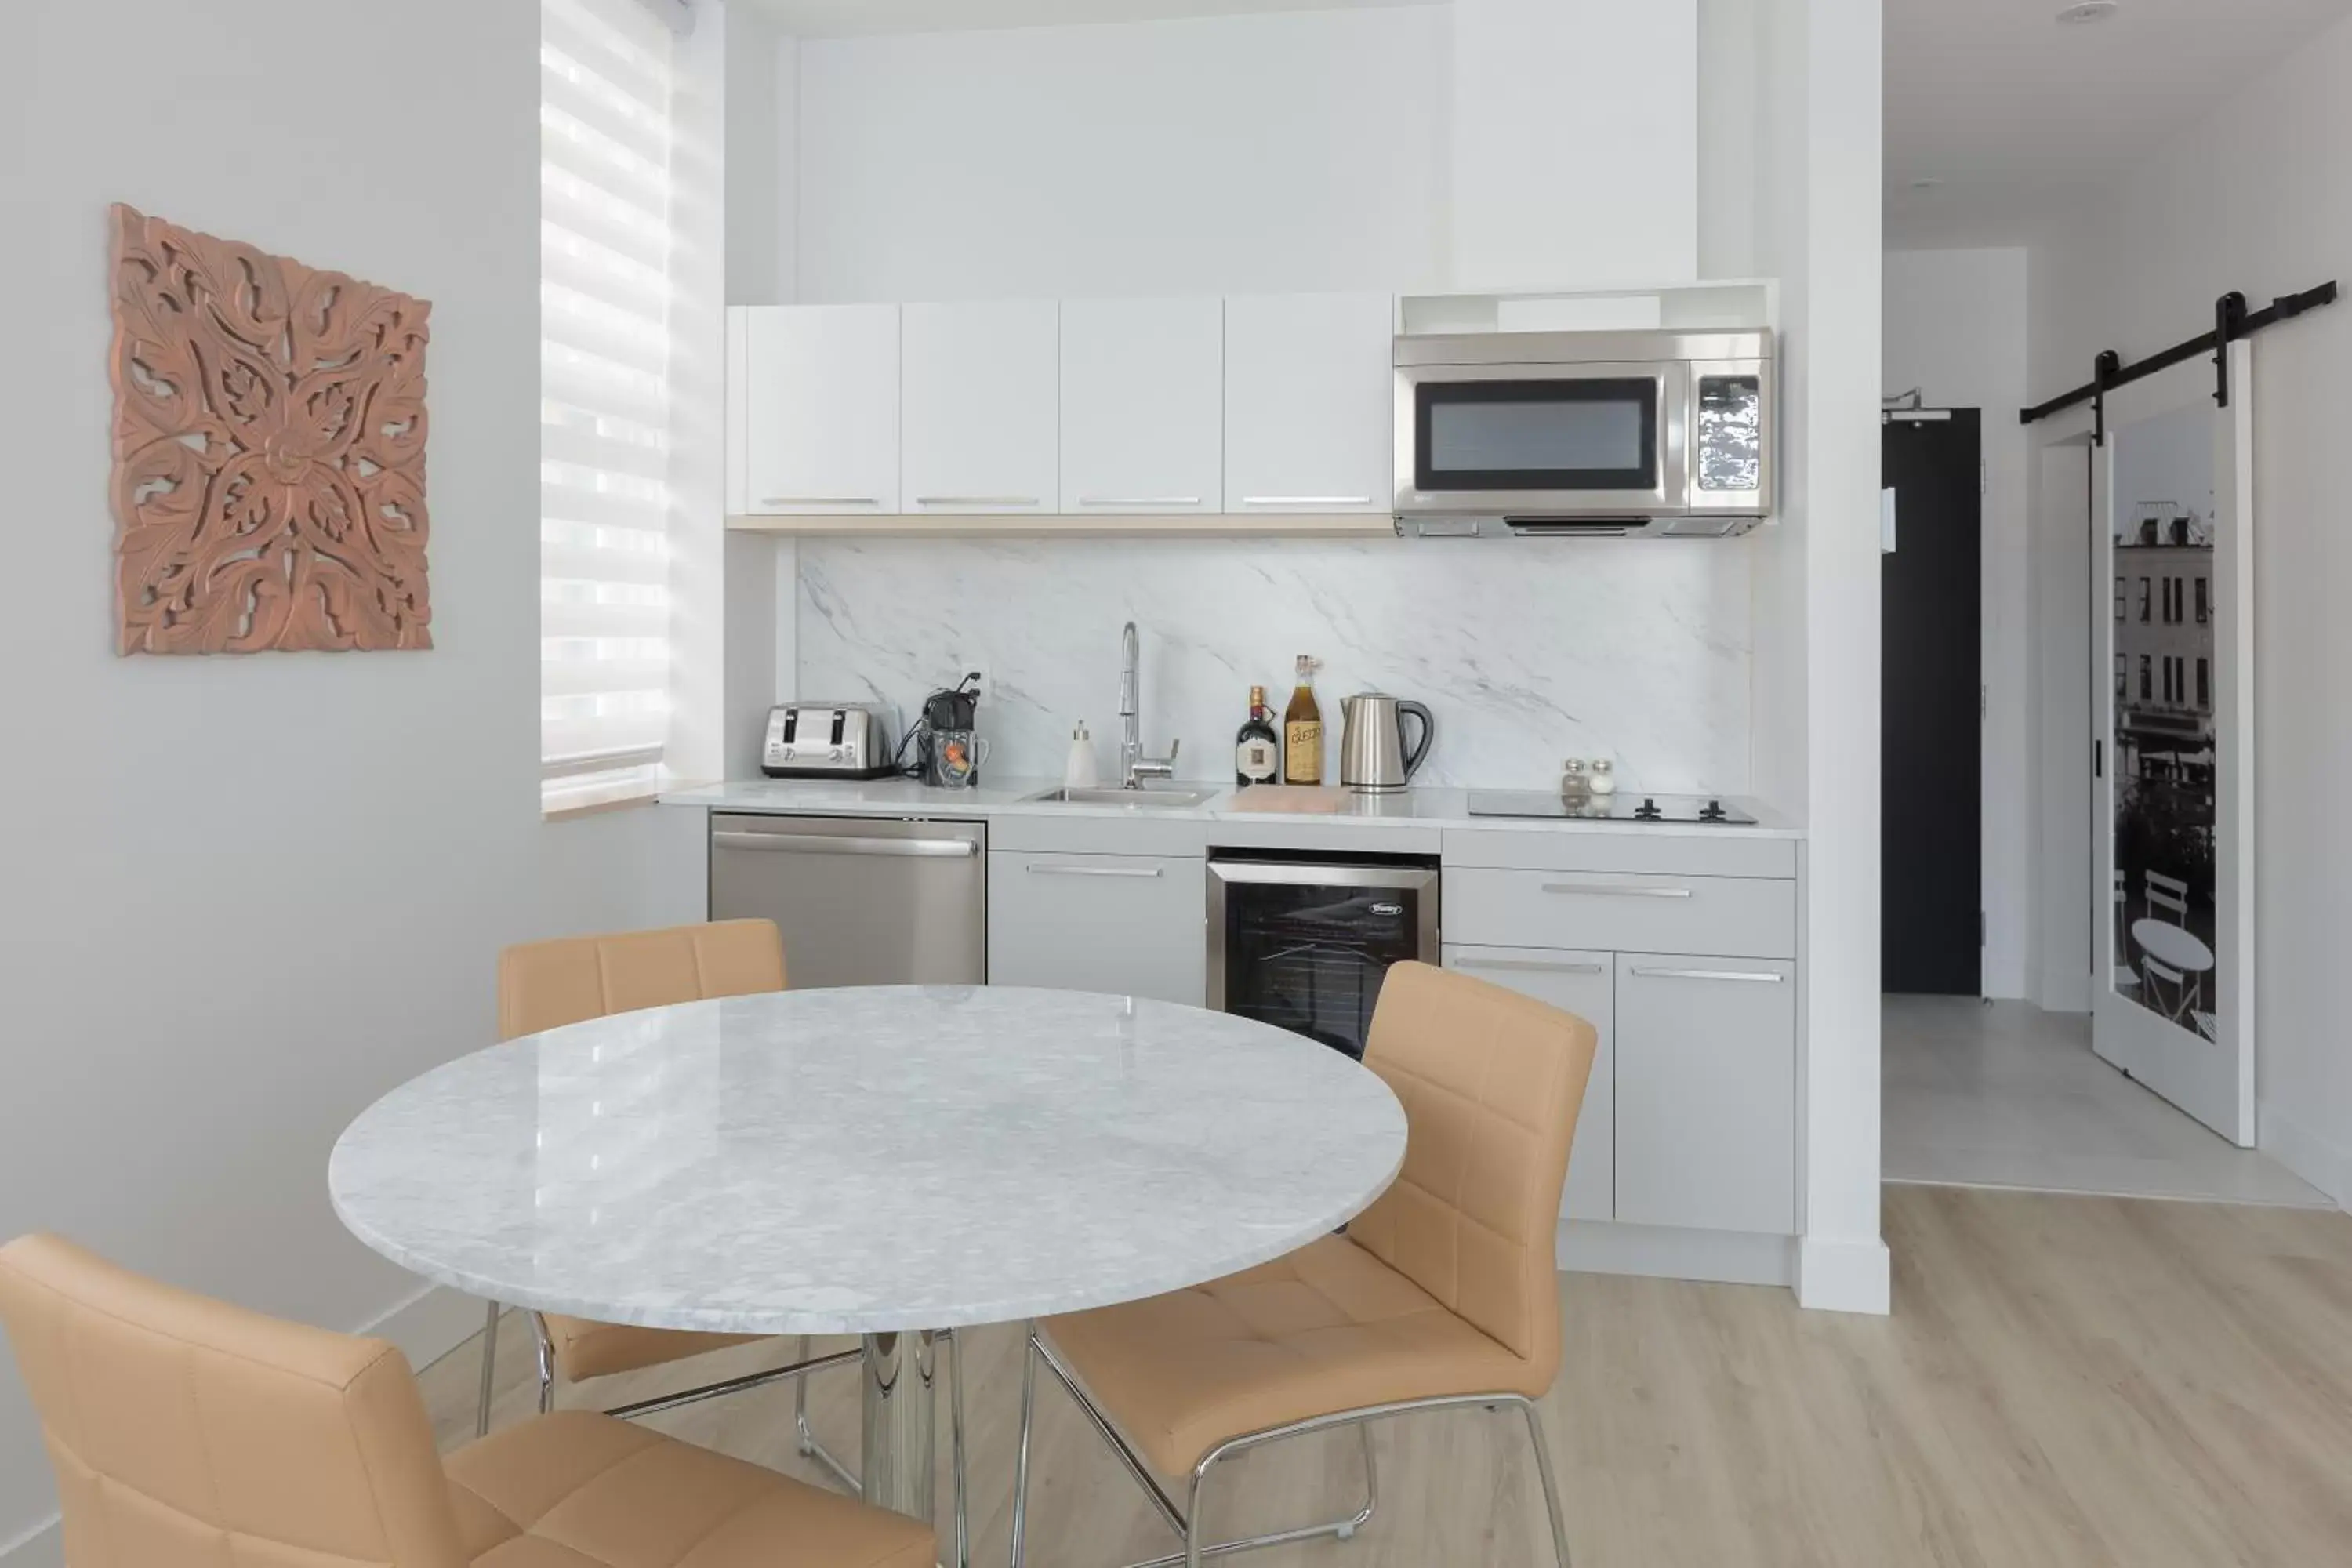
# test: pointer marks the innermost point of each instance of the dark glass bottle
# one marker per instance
(1257, 749)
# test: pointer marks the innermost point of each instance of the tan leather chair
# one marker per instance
(546, 984)
(186, 1433)
(1443, 1294)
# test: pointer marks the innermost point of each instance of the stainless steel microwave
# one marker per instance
(1610, 434)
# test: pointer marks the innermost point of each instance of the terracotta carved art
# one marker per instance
(269, 450)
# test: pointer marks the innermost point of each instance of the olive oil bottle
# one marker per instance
(1302, 731)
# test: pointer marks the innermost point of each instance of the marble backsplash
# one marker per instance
(1528, 652)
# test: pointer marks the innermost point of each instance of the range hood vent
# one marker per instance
(1540, 528)
(1576, 527)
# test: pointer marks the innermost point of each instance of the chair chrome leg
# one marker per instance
(1550, 1481)
(489, 1366)
(1192, 1510)
(809, 1446)
(1021, 1465)
(1187, 1522)
(546, 1363)
(800, 1407)
(1346, 1527)
(955, 1448)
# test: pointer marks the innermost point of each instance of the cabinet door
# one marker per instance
(1582, 984)
(1309, 403)
(1133, 925)
(981, 417)
(1142, 405)
(821, 432)
(1707, 1092)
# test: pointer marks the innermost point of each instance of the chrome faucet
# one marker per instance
(1134, 767)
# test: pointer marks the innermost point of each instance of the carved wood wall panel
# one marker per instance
(269, 450)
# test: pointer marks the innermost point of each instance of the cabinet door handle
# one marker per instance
(1616, 890)
(1751, 977)
(1532, 965)
(820, 501)
(1139, 500)
(1035, 869)
(976, 500)
(1306, 500)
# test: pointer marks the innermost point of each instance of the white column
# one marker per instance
(1843, 1263)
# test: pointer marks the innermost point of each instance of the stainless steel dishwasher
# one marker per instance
(861, 902)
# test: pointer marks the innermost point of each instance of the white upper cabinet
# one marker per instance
(821, 425)
(981, 408)
(1142, 399)
(1309, 402)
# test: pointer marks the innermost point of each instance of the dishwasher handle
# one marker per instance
(847, 844)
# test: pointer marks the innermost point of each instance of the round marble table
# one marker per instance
(883, 1161)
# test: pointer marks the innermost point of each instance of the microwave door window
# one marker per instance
(1578, 434)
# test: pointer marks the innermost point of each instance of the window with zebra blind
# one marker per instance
(609, 246)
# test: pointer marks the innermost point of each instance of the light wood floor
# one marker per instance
(2065, 1381)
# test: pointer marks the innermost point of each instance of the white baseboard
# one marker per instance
(1842, 1274)
(429, 1324)
(1668, 1252)
(43, 1546)
(2066, 991)
(2317, 1158)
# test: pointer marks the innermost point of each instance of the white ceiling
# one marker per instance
(2016, 114)
(853, 18)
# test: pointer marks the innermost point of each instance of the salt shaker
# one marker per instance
(1603, 780)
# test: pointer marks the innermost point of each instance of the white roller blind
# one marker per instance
(608, 91)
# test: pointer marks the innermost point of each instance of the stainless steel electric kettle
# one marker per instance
(1372, 756)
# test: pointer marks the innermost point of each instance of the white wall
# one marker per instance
(2253, 198)
(1575, 141)
(2058, 553)
(1233, 155)
(242, 897)
(1956, 329)
(1817, 600)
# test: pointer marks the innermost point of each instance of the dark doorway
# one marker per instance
(1932, 851)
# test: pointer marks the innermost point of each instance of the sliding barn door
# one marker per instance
(2172, 708)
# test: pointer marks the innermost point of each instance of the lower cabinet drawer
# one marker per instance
(1617, 912)
(1581, 983)
(1132, 925)
(1707, 1092)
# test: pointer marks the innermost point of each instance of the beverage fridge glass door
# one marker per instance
(1305, 946)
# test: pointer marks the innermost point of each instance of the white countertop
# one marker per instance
(866, 1160)
(1434, 807)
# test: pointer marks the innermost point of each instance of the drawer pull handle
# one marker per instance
(1752, 977)
(1532, 965)
(1036, 870)
(1306, 500)
(1139, 500)
(1616, 890)
(820, 501)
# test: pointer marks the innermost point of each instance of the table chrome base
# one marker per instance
(1187, 1522)
(899, 1443)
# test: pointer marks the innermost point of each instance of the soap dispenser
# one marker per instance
(1080, 771)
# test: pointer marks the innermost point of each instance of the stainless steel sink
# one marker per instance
(1133, 799)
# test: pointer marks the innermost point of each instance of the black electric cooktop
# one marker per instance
(1619, 807)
